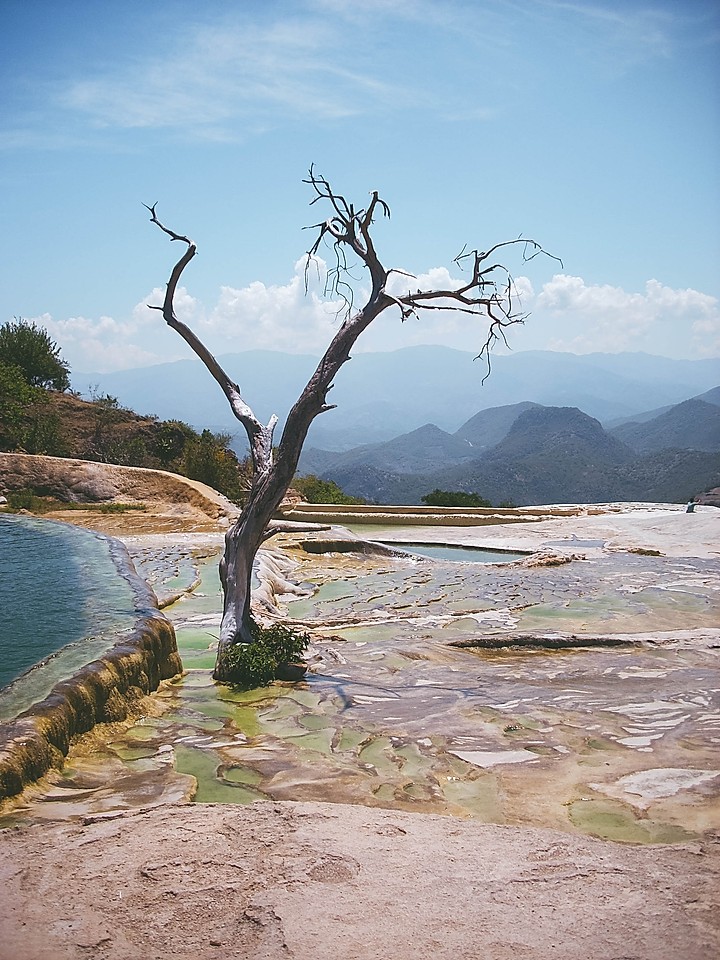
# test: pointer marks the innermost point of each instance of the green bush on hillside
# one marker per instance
(16, 397)
(30, 348)
(207, 457)
(315, 490)
(454, 498)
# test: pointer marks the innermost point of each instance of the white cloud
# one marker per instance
(186, 308)
(204, 79)
(276, 317)
(104, 344)
(98, 345)
(567, 314)
(661, 319)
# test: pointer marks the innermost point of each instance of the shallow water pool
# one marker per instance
(62, 597)
(444, 551)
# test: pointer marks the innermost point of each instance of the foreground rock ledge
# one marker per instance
(108, 689)
(312, 880)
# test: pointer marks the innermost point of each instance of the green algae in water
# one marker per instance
(306, 697)
(212, 707)
(244, 718)
(314, 721)
(611, 820)
(246, 721)
(133, 753)
(385, 793)
(331, 591)
(204, 766)
(396, 661)
(377, 753)
(414, 765)
(207, 724)
(284, 709)
(199, 723)
(139, 732)
(320, 741)
(350, 739)
(477, 797)
(243, 775)
(418, 791)
(199, 661)
(249, 697)
(594, 743)
(673, 603)
(195, 678)
(191, 639)
(300, 729)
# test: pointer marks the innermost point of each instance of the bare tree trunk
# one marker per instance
(236, 568)
(242, 542)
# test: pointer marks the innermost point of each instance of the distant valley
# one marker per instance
(527, 453)
(380, 396)
(415, 419)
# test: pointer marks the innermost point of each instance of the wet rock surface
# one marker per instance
(391, 714)
(393, 725)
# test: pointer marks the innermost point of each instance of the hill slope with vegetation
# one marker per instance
(549, 455)
(38, 415)
(691, 425)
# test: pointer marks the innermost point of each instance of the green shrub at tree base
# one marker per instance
(256, 664)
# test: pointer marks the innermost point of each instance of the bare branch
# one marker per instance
(260, 437)
(349, 229)
(292, 526)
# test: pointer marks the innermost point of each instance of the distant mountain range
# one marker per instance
(380, 396)
(527, 453)
(422, 417)
(693, 424)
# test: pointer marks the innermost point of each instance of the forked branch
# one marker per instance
(259, 436)
(489, 293)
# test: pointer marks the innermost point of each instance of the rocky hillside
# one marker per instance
(425, 449)
(64, 425)
(488, 427)
(549, 455)
(692, 425)
(113, 498)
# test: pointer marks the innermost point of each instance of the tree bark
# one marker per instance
(247, 534)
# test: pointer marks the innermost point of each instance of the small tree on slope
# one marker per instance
(488, 294)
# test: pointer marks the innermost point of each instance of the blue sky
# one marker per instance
(591, 126)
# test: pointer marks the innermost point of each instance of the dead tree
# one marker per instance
(488, 293)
